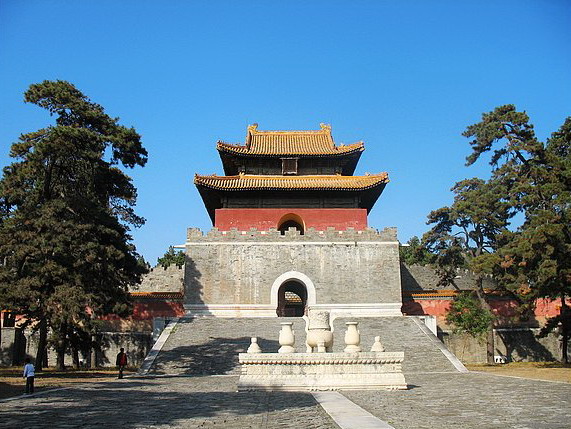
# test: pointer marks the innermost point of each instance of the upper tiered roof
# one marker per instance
(276, 169)
(312, 143)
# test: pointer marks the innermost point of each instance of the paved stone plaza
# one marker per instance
(436, 400)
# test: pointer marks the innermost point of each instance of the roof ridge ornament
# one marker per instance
(325, 127)
(252, 129)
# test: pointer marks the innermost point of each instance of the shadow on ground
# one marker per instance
(217, 356)
(168, 401)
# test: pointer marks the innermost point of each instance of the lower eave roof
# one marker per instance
(245, 182)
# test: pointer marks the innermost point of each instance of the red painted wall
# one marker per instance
(148, 309)
(264, 219)
(544, 308)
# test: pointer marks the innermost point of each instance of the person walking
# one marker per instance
(29, 374)
(121, 361)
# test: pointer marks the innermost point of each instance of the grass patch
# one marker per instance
(550, 371)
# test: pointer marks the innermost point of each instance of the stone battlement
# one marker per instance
(310, 235)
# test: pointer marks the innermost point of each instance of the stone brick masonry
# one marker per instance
(240, 267)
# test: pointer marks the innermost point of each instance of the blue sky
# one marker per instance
(406, 77)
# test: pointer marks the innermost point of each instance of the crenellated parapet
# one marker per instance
(311, 235)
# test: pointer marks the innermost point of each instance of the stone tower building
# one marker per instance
(290, 231)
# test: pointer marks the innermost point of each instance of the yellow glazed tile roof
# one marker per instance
(323, 182)
(289, 143)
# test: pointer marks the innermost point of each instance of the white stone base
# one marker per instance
(268, 310)
(390, 309)
(321, 371)
(230, 310)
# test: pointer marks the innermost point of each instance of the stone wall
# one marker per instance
(17, 344)
(11, 346)
(514, 344)
(159, 279)
(422, 277)
(240, 267)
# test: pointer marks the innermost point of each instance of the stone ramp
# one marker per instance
(397, 334)
(209, 345)
(206, 346)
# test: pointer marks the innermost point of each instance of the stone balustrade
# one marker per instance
(350, 370)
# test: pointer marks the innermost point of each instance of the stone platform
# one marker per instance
(321, 371)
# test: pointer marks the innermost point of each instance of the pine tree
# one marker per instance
(66, 212)
(414, 253)
(466, 235)
(171, 257)
(535, 260)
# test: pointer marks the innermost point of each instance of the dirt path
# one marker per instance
(12, 384)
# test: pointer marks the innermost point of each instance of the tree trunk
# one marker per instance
(490, 343)
(75, 354)
(490, 346)
(60, 348)
(92, 359)
(41, 354)
(60, 364)
(565, 329)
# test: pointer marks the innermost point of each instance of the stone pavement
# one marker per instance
(435, 400)
(165, 402)
(469, 401)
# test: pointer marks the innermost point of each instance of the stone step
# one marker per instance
(211, 345)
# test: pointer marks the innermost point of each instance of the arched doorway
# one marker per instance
(292, 299)
(291, 220)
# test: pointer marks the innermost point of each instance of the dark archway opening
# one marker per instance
(291, 220)
(288, 224)
(292, 299)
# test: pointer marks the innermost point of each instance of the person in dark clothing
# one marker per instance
(29, 374)
(121, 361)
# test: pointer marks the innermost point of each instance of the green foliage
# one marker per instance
(65, 214)
(171, 257)
(468, 315)
(535, 260)
(503, 124)
(529, 178)
(415, 253)
(466, 232)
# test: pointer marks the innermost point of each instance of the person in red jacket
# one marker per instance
(121, 361)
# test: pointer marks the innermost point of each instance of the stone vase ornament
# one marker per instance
(352, 338)
(318, 331)
(286, 338)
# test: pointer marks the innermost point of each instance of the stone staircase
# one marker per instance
(205, 346)
(421, 352)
